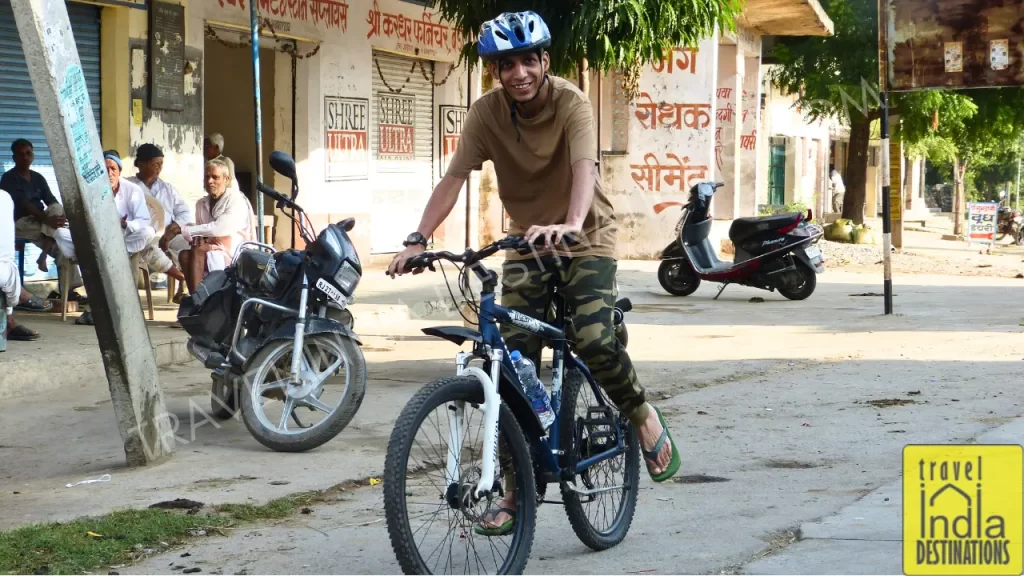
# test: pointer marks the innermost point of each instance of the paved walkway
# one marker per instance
(865, 537)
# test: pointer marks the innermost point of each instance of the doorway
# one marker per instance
(229, 109)
(777, 172)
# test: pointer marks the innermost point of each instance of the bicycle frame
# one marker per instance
(494, 351)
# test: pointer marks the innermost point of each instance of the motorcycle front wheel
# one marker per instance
(295, 418)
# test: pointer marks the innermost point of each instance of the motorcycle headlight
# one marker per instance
(347, 278)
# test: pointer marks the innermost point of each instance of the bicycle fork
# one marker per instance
(491, 407)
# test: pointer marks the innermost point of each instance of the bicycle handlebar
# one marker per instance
(469, 257)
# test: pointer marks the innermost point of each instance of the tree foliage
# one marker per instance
(835, 76)
(977, 131)
(980, 124)
(609, 34)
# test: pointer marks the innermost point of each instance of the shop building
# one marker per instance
(367, 95)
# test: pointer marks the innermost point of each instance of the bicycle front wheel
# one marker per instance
(433, 466)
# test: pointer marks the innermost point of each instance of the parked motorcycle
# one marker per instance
(772, 252)
(1011, 223)
(274, 326)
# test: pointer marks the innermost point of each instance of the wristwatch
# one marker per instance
(415, 238)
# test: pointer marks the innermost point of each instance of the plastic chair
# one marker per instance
(136, 264)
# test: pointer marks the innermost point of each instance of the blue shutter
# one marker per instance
(19, 114)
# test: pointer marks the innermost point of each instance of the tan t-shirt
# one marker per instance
(535, 172)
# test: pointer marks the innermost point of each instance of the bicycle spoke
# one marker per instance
(455, 548)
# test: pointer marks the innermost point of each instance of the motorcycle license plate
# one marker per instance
(330, 290)
(813, 252)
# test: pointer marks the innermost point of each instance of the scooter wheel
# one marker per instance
(798, 284)
(677, 278)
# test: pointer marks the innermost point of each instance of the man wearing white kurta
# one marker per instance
(130, 201)
(149, 159)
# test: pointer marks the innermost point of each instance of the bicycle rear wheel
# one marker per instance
(420, 495)
(601, 519)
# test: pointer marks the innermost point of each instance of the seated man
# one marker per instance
(10, 282)
(135, 220)
(213, 149)
(224, 219)
(37, 214)
(149, 159)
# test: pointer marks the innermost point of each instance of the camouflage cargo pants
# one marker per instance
(588, 285)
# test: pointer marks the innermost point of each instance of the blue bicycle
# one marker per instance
(456, 482)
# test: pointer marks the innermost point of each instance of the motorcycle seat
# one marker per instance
(743, 228)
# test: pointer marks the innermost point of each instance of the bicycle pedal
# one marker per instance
(599, 416)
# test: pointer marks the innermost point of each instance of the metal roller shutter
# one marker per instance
(403, 102)
(20, 117)
(19, 113)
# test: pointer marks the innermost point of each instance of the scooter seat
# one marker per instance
(743, 228)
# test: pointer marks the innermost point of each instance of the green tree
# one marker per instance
(977, 128)
(603, 34)
(837, 77)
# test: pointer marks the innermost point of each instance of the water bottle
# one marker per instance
(534, 389)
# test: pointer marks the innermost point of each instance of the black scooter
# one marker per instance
(772, 252)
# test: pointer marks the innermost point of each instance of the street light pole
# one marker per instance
(254, 26)
(883, 85)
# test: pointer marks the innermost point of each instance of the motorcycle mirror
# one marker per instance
(283, 164)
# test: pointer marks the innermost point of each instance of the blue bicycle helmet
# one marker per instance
(513, 33)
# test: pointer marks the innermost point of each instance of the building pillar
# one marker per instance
(728, 120)
(750, 119)
(114, 76)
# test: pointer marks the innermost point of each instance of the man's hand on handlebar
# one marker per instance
(553, 234)
(397, 266)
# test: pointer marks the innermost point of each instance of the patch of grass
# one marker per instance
(68, 548)
(124, 536)
(273, 510)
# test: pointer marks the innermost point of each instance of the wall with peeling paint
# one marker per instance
(178, 134)
(671, 146)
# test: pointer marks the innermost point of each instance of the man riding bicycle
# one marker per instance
(538, 130)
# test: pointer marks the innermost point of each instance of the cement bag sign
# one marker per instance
(981, 221)
(396, 128)
(346, 138)
(452, 120)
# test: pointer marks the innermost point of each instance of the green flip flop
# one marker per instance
(652, 455)
(504, 529)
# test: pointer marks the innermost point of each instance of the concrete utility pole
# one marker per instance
(59, 85)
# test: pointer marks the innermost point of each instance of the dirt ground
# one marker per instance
(784, 412)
